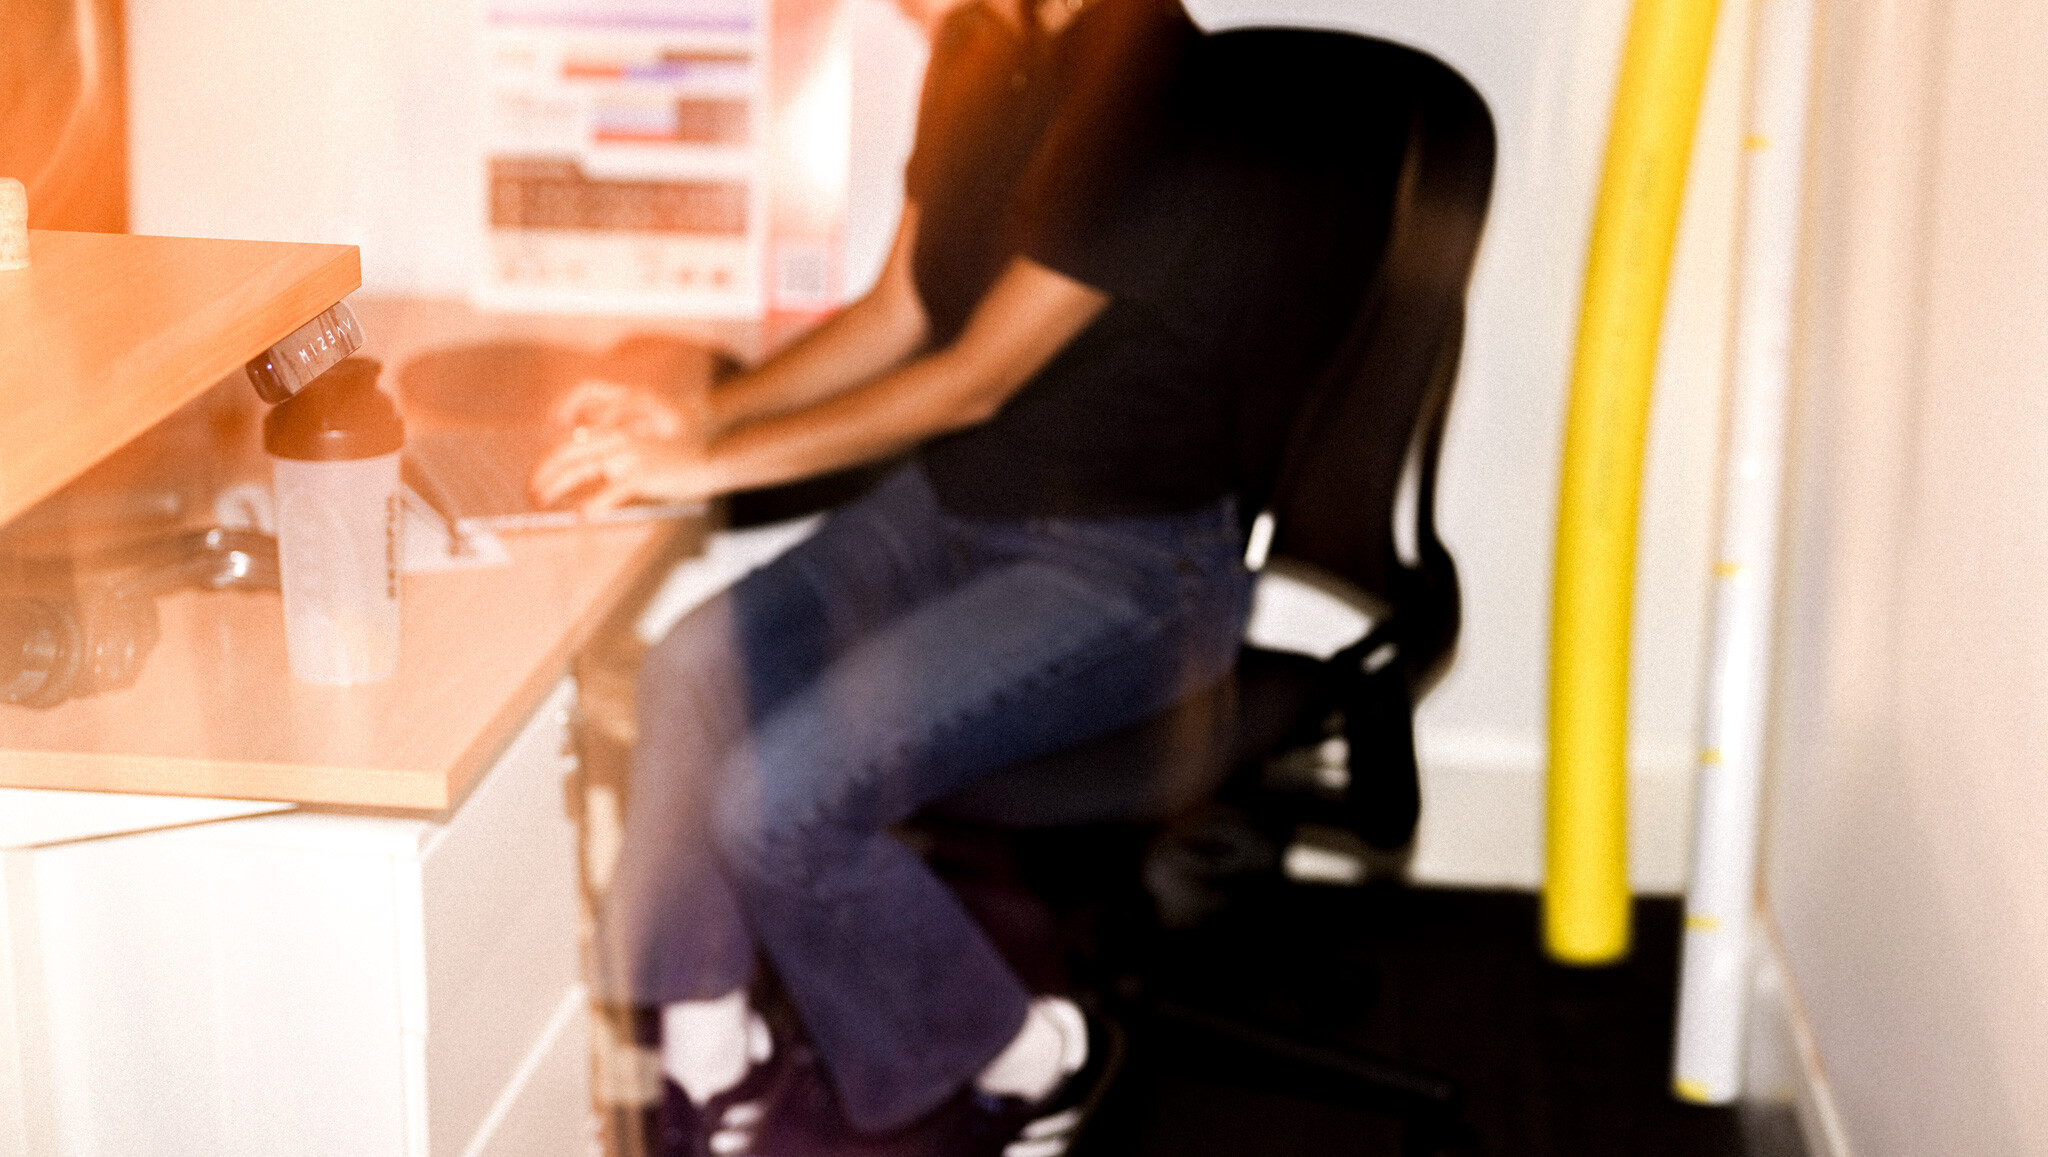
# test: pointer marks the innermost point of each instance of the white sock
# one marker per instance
(707, 1045)
(1052, 1045)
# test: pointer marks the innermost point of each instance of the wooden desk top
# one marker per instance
(105, 334)
(217, 713)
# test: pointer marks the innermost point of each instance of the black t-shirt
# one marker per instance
(1093, 153)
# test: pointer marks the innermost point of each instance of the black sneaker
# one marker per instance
(730, 1124)
(969, 1124)
(1009, 1127)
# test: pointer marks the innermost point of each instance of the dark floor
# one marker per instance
(1549, 1060)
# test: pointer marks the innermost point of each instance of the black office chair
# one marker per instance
(1323, 458)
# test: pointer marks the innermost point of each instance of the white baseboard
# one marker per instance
(1783, 1064)
(1482, 815)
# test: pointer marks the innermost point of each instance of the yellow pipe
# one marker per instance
(1585, 890)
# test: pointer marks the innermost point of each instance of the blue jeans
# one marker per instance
(880, 665)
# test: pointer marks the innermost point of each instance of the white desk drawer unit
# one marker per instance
(312, 983)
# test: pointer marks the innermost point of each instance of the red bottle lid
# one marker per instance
(340, 415)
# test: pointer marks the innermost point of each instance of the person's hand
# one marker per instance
(622, 465)
(609, 406)
(627, 442)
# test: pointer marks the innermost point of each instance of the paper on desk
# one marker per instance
(428, 545)
(31, 817)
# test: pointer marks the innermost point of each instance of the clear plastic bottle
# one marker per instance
(334, 449)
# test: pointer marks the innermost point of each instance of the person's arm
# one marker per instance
(879, 330)
(1027, 317)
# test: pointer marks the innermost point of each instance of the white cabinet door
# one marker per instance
(313, 983)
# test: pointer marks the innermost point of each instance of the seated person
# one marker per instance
(1051, 340)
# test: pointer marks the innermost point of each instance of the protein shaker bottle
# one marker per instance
(334, 450)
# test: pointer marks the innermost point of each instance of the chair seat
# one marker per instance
(1162, 766)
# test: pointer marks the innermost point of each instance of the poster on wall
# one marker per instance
(681, 157)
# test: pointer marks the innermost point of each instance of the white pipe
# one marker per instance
(1714, 978)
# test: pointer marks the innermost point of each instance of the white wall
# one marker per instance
(355, 122)
(1907, 865)
(290, 120)
(888, 66)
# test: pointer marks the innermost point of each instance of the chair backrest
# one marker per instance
(1327, 464)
